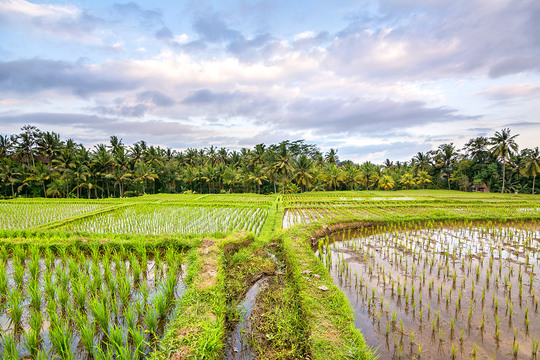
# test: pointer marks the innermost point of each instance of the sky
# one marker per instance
(374, 79)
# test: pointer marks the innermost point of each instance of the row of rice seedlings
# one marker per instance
(21, 216)
(443, 278)
(164, 219)
(101, 303)
(332, 208)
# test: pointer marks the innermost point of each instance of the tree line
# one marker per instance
(34, 163)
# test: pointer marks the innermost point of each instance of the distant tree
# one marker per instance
(503, 146)
(386, 182)
(445, 158)
(530, 165)
(331, 157)
(423, 178)
(407, 180)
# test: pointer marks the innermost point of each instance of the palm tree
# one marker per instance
(369, 174)
(6, 146)
(257, 176)
(530, 165)
(504, 145)
(422, 160)
(283, 165)
(351, 175)
(119, 175)
(386, 182)
(446, 158)
(333, 176)
(189, 176)
(9, 173)
(304, 172)
(257, 156)
(143, 173)
(49, 145)
(407, 180)
(103, 162)
(39, 173)
(331, 157)
(25, 143)
(475, 147)
(229, 177)
(423, 178)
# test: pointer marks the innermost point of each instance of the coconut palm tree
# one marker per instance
(257, 176)
(369, 174)
(143, 173)
(333, 176)
(39, 173)
(6, 146)
(407, 180)
(386, 182)
(530, 165)
(351, 175)
(503, 145)
(422, 160)
(446, 158)
(475, 147)
(303, 175)
(331, 157)
(423, 178)
(283, 165)
(25, 143)
(49, 145)
(9, 173)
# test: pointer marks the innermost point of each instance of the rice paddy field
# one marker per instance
(399, 275)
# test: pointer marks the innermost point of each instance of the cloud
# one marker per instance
(155, 97)
(395, 151)
(433, 39)
(34, 75)
(213, 29)
(123, 110)
(101, 127)
(145, 17)
(205, 96)
(353, 116)
(66, 22)
(164, 34)
(508, 92)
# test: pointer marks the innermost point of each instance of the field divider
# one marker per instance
(328, 314)
(274, 219)
(62, 222)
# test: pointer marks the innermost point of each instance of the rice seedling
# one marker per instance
(115, 336)
(151, 318)
(61, 338)
(10, 347)
(137, 336)
(36, 320)
(86, 332)
(32, 341)
(15, 310)
(515, 348)
(100, 312)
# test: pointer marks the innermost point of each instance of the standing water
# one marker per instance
(442, 292)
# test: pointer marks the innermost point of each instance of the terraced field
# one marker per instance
(271, 276)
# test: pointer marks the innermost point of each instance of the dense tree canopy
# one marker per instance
(37, 163)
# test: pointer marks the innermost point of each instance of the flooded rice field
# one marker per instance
(453, 291)
(83, 305)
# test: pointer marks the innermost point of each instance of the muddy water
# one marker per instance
(467, 284)
(237, 346)
(141, 298)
